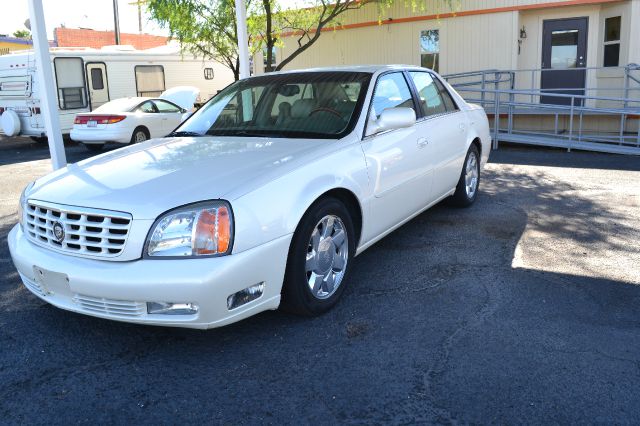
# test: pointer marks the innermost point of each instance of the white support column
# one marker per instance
(243, 39)
(46, 84)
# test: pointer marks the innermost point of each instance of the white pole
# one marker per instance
(243, 39)
(46, 84)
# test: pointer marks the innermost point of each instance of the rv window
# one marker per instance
(208, 73)
(70, 82)
(149, 80)
(97, 83)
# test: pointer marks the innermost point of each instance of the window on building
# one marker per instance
(70, 83)
(149, 80)
(430, 49)
(612, 41)
(208, 73)
(273, 57)
(97, 81)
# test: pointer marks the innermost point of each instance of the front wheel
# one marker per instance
(467, 188)
(319, 259)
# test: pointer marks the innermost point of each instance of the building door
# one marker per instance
(98, 85)
(564, 54)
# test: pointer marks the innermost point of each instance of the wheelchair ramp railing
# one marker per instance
(604, 119)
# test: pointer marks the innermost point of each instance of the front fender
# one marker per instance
(275, 209)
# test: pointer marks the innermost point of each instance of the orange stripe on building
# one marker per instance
(391, 21)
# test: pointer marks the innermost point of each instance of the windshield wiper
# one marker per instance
(184, 134)
(236, 133)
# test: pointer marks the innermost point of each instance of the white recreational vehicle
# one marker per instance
(87, 78)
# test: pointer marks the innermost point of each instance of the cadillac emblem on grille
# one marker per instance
(58, 232)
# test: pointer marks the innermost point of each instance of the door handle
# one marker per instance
(422, 142)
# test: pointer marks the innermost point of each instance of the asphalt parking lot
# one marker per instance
(521, 309)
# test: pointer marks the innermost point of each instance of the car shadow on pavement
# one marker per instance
(445, 320)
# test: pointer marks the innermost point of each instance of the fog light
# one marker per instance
(245, 296)
(167, 308)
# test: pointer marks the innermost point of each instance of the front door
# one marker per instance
(564, 55)
(400, 170)
(98, 85)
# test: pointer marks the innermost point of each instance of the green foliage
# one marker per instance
(25, 34)
(208, 27)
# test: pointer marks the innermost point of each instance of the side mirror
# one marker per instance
(392, 118)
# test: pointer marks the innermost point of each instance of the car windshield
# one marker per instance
(307, 104)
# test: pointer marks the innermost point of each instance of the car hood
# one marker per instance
(150, 178)
(183, 96)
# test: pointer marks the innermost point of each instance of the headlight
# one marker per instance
(202, 229)
(22, 203)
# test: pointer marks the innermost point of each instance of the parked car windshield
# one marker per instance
(309, 104)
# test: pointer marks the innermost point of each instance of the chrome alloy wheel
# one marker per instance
(471, 175)
(327, 256)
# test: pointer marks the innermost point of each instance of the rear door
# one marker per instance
(98, 84)
(443, 130)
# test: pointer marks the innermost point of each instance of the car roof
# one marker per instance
(355, 68)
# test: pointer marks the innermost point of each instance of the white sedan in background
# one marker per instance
(134, 120)
(261, 199)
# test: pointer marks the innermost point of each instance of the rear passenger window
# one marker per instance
(446, 96)
(391, 91)
(430, 100)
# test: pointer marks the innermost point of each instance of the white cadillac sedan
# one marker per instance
(261, 199)
(134, 120)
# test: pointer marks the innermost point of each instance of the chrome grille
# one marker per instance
(87, 232)
(110, 306)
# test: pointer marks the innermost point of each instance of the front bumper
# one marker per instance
(120, 290)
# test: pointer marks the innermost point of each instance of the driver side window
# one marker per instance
(391, 91)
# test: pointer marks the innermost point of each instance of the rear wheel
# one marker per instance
(467, 188)
(94, 147)
(140, 134)
(319, 259)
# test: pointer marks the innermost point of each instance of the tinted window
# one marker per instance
(391, 91)
(430, 100)
(307, 104)
(166, 107)
(96, 79)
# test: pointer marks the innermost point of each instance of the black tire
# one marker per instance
(40, 139)
(94, 147)
(461, 198)
(139, 131)
(296, 295)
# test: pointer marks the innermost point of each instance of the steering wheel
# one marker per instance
(326, 109)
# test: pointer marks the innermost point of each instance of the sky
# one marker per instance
(95, 14)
